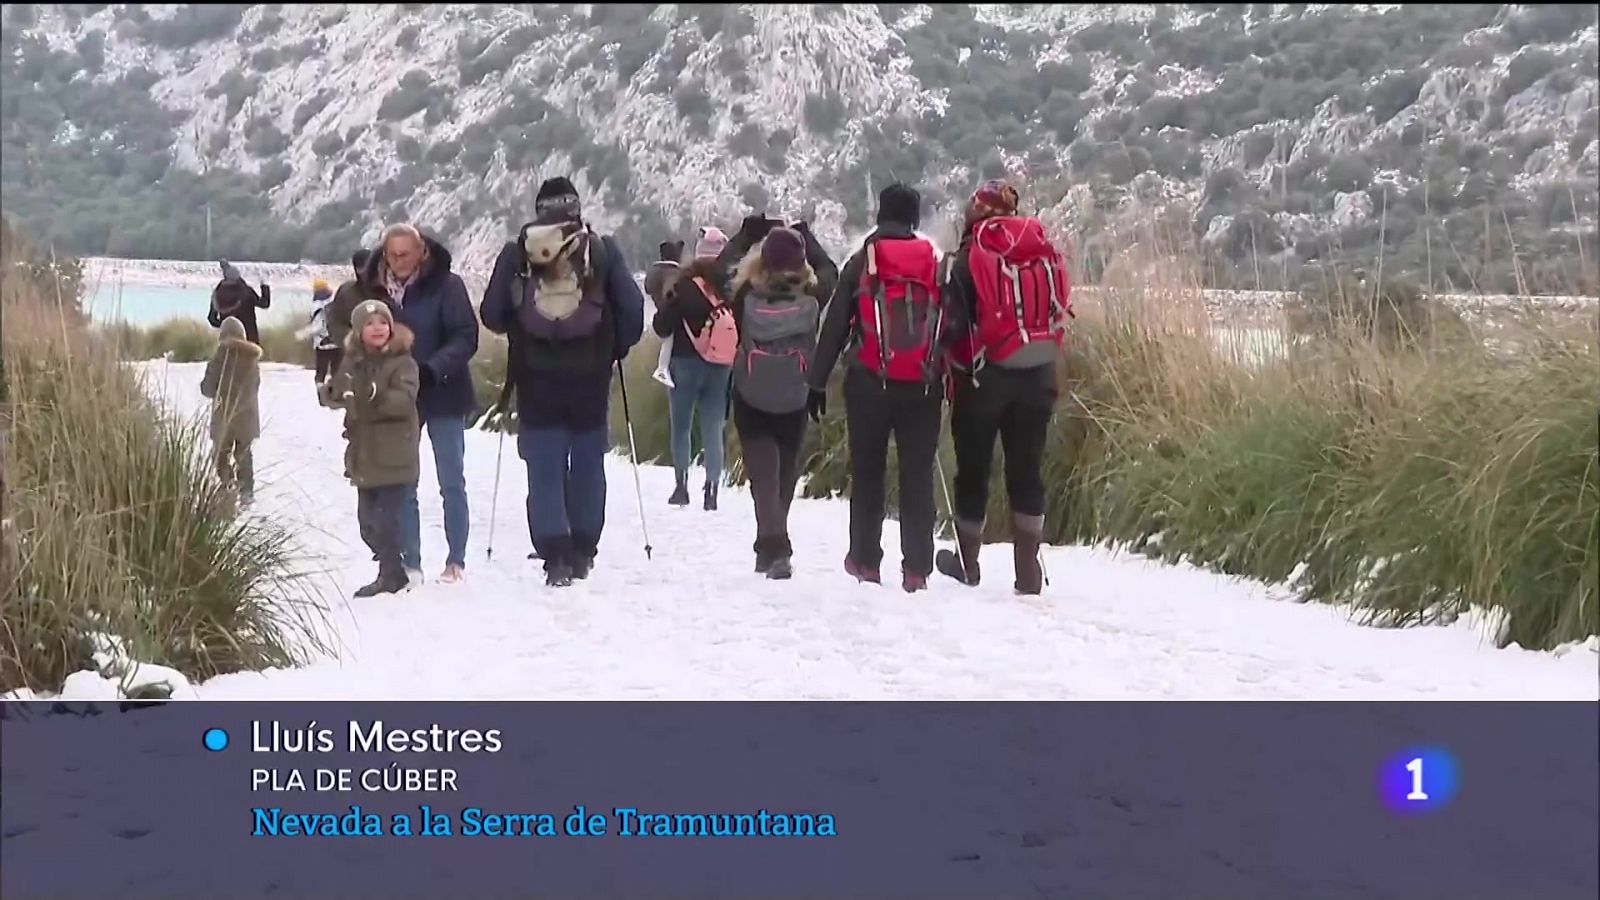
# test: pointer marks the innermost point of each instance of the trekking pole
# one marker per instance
(945, 418)
(633, 455)
(494, 499)
(944, 485)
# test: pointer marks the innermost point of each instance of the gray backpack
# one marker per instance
(777, 336)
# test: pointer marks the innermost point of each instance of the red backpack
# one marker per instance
(898, 302)
(1024, 297)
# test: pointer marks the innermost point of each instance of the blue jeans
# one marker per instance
(448, 435)
(566, 489)
(700, 385)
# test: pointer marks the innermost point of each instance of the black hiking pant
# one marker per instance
(770, 446)
(1016, 405)
(910, 413)
(378, 510)
(328, 360)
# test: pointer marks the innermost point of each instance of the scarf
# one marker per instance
(396, 286)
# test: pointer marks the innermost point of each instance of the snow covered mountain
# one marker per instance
(1271, 136)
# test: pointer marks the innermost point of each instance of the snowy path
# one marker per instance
(697, 623)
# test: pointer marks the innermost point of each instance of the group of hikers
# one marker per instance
(753, 325)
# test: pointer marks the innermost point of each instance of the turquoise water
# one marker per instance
(149, 304)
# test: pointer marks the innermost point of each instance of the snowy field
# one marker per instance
(695, 622)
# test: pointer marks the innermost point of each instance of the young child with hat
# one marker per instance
(377, 388)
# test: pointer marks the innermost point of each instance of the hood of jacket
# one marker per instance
(241, 346)
(752, 274)
(434, 268)
(400, 340)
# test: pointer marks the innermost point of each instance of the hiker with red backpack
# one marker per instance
(887, 307)
(1008, 297)
(699, 324)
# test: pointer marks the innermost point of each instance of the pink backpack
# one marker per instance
(717, 342)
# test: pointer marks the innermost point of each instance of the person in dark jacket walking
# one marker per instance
(411, 273)
(777, 277)
(687, 318)
(234, 297)
(566, 300)
(1014, 399)
(346, 299)
(377, 387)
(880, 404)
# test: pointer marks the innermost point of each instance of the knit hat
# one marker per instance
(901, 205)
(319, 285)
(232, 328)
(229, 273)
(992, 198)
(783, 250)
(360, 258)
(711, 243)
(557, 201)
(368, 309)
(671, 250)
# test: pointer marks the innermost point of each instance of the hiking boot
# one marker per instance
(680, 494)
(557, 574)
(414, 576)
(962, 562)
(452, 574)
(581, 566)
(862, 573)
(711, 497)
(913, 582)
(781, 569)
(1026, 533)
(384, 585)
(533, 555)
(763, 557)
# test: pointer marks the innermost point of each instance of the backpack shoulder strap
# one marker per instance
(708, 292)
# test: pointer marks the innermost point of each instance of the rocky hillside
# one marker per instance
(1263, 141)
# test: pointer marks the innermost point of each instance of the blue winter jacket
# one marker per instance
(439, 313)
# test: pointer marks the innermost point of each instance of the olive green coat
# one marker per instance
(232, 383)
(378, 393)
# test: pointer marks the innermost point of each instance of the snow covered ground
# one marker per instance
(695, 622)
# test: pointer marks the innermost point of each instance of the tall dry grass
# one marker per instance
(120, 527)
(1381, 452)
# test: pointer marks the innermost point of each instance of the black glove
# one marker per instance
(755, 227)
(817, 404)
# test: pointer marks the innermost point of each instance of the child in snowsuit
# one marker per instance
(322, 341)
(377, 386)
(232, 383)
(658, 280)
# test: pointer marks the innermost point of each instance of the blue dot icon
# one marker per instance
(216, 739)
